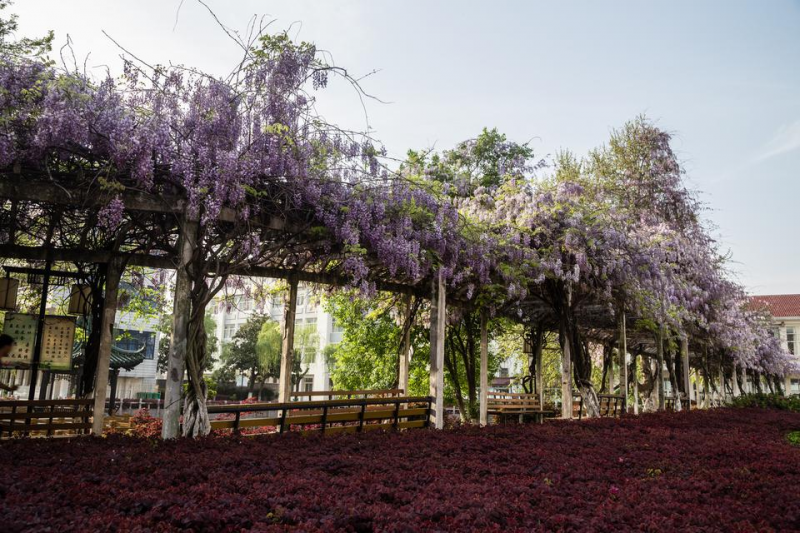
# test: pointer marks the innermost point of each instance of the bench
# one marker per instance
(611, 406)
(45, 418)
(506, 404)
(670, 403)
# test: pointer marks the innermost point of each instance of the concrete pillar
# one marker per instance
(736, 391)
(406, 349)
(634, 371)
(660, 372)
(623, 360)
(706, 378)
(287, 347)
(181, 311)
(537, 354)
(484, 377)
(437, 332)
(113, 275)
(566, 381)
(687, 385)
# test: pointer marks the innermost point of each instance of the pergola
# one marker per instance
(166, 213)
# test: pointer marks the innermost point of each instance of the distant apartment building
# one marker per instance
(785, 309)
(232, 312)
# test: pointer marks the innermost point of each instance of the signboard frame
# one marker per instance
(58, 338)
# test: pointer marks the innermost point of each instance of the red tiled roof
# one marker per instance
(780, 305)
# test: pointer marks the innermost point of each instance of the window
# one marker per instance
(133, 341)
(230, 331)
(308, 383)
(503, 372)
(794, 386)
(790, 340)
(337, 328)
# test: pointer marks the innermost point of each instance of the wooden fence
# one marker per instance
(329, 416)
(45, 417)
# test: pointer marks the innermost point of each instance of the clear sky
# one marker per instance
(723, 76)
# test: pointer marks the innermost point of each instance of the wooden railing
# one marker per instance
(45, 417)
(329, 416)
(346, 394)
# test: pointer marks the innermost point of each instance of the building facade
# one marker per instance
(231, 312)
(785, 310)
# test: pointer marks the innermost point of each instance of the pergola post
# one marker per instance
(706, 379)
(287, 347)
(660, 372)
(484, 397)
(113, 396)
(437, 327)
(623, 361)
(721, 391)
(405, 349)
(113, 275)
(566, 381)
(181, 310)
(537, 354)
(687, 385)
(634, 365)
(736, 390)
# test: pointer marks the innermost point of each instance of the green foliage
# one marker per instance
(794, 438)
(211, 387)
(242, 355)
(367, 356)
(768, 401)
(25, 47)
(212, 343)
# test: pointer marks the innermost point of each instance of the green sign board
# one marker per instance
(57, 340)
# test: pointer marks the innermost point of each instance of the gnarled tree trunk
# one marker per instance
(196, 422)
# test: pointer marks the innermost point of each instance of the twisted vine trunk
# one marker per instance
(570, 335)
(196, 422)
(582, 368)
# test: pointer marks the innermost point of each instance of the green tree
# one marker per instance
(10, 45)
(212, 344)
(241, 355)
(368, 355)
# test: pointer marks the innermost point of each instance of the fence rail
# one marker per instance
(330, 416)
(48, 417)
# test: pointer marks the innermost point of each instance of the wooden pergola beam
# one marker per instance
(77, 255)
(14, 188)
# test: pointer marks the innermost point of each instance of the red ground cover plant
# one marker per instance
(721, 470)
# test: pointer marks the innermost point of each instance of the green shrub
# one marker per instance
(768, 401)
(794, 438)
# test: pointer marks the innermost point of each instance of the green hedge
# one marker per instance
(768, 401)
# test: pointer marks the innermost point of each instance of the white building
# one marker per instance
(231, 313)
(785, 309)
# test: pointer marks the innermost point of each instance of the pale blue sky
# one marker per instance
(723, 76)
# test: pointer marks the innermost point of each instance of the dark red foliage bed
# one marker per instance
(723, 470)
